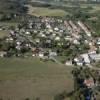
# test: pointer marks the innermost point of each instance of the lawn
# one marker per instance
(42, 11)
(30, 77)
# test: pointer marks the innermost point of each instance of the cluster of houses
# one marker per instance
(92, 55)
(41, 35)
(86, 59)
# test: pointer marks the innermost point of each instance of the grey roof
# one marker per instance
(95, 56)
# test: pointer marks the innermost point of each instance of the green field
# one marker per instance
(30, 77)
(95, 7)
(42, 11)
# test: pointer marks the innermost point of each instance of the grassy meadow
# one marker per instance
(43, 11)
(30, 77)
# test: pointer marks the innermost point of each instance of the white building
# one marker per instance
(41, 55)
(78, 62)
(86, 58)
(95, 57)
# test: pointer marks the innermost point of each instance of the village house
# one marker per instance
(10, 39)
(41, 54)
(68, 38)
(57, 38)
(27, 33)
(98, 42)
(86, 58)
(91, 51)
(78, 61)
(52, 53)
(68, 63)
(37, 40)
(83, 59)
(76, 42)
(89, 82)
